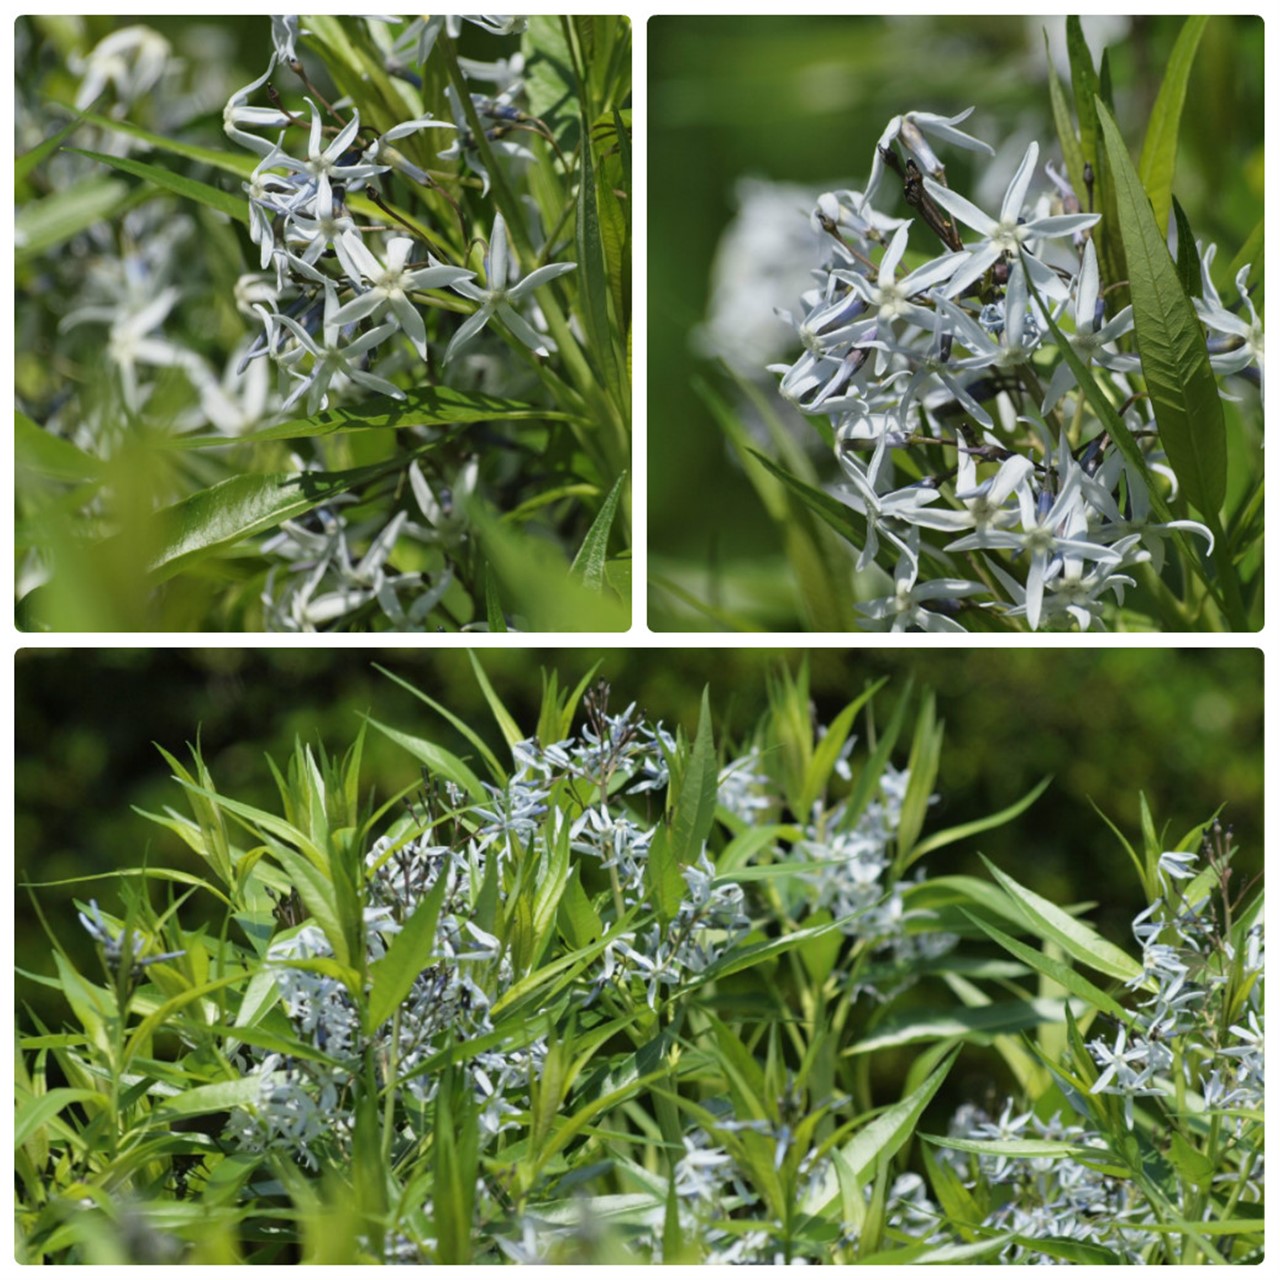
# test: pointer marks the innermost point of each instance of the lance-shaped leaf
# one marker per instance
(1188, 259)
(1079, 940)
(1160, 148)
(882, 1138)
(421, 407)
(695, 806)
(588, 564)
(201, 192)
(411, 950)
(232, 510)
(1175, 360)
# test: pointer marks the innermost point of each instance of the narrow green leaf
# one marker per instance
(236, 207)
(40, 225)
(579, 920)
(33, 1113)
(615, 230)
(827, 752)
(421, 407)
(317, 894)
(1145, 875)
(392, 976)
(1026, 1148)
(510, 730)
(1087, 88)
(814, 560)
(26, 164)
(147, 873)
(493, 605)
(1062, 974)
(553, 877)
(1071, 1250)
(594, 278)
(1175, 360)
(241, 507)
(747, 844)
(36, 450)
(537, 588)
(437, 759)
(548, 79)
(1068, 140)
(747, 957)
(227, 161)
(588, 565)
(1192, 1164)
(1104, 80)
(695, 806)
(1188, 261)
(884, 1137)
(922, 773)
(575, 1124)
(662, 876)
(491, 761)
(742, 1072)
(157, 1018)
(831, 512)
(941, 893)
(942, 1255)
(672, 1233)
(208, 1099)
(260, 821)
(979, 1025)
(853, 1208)
(1223, 1227)
(940, 839)
(1077, 939)
(1160, 147)
(1084, 83)
(954, 1198)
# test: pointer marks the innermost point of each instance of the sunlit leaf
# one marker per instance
(1171, 342)
(1160, 148)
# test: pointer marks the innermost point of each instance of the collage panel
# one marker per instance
(639, 955)
(323, 324)
(956, 324)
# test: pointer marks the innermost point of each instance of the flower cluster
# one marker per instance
(1194, 1046)
(960, 451)
(376, 261)
(340, 294)
(321, 327)
(610, 771)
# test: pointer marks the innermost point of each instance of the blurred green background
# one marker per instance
(803, 100)
(1184, 726)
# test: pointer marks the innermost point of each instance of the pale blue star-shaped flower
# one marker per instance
(498, 296)
(1090, 339)
(1008, 236)
(904, 610)
(330, 357)
(387, 285)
